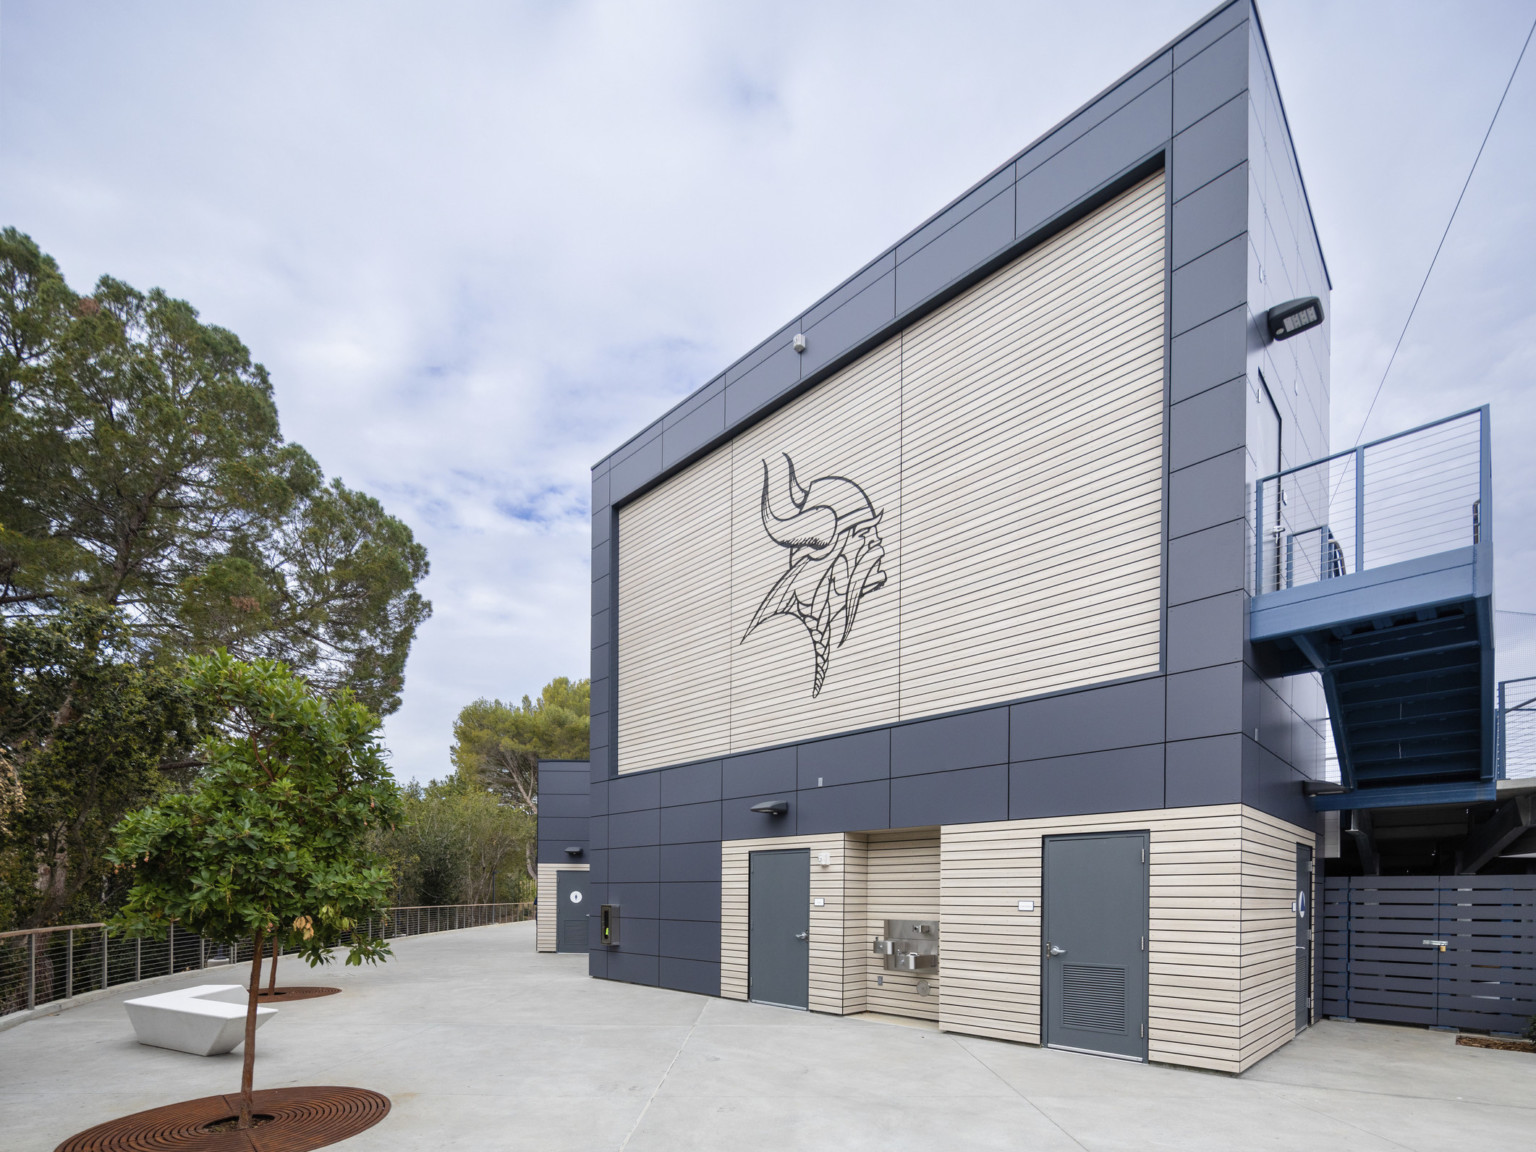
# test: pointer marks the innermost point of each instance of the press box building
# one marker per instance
(921, 679)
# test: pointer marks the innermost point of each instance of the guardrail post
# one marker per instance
(1360, 509)
(106, 961)
(32, 970)
(170, 951)
(69, 963)
(138, 958)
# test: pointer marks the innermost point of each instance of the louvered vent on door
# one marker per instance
(1093, 997)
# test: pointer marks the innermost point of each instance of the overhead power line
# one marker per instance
(1510, 83)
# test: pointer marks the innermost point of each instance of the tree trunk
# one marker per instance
(272, 981)
(248, 1068)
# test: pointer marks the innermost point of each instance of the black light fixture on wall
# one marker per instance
(1294, 317)
(772, 807)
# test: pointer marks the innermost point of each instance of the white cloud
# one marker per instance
(479, 245)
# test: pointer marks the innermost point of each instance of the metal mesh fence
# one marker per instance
(45, 965)
(1517, 729)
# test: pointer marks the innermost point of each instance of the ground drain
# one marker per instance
(297, 992)
(300, 1119)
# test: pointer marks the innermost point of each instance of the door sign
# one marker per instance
(576, 897)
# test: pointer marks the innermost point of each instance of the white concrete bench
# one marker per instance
(205, 1019)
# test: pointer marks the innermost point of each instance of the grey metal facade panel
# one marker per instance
(600, 560)
(597, 957)
(864, 805)
(691, 783)
(881, 267)
(1204, 633)
(974, 200)
(601, 591)
(633, 829)
(1210, 78)
(691, 863)
(970, 243)
(600, 490)
(1208, 147)
(690, 940)
(775, 370)
(602, 523)
(1207, 563)
(851, 325)
(969, 740)
(1205, 702)
(600, 703)
(689, 976)
(1271, 785)
(1111, 148)
(686, 822)
(1094, 113)
(597, 831)
(1210, 216)
(756, 771)
(632, 793)
(698, 900)
(563, 778)
(703, 423)
(597, 867)
(597, 798)
(960, 796)
(637, 865)
(639, 935)
(845, 759)
(1207, 494)
(562, 830)
(631, 968)
(739, 822)
(1208, 424)
(1206, 771)
(691, 403)
(638, 900)
(602, 758)
(1215, 26)
(1121, 780)
(639, 467)
(1210, 285)
(1210, 354)
(1095, 719)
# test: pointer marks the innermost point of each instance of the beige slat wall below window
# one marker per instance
(1011, 443)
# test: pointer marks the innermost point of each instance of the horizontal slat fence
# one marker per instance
(1378, 963)
(44, 965)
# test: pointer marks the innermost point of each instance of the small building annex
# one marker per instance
(922, 679)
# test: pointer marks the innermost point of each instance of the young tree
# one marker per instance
(273, 837)
(498, 746)
(142, 466)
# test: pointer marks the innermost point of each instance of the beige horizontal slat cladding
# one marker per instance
(544, 909)
(902, 883)
(1012, 442)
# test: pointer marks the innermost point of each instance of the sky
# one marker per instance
(480, 244)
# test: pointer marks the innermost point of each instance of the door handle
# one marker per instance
(802, 935)
(1052, 950)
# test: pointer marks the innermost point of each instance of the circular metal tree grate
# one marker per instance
(296, 992)
(301, 1119)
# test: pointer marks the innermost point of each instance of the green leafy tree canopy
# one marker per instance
(142, 466)
(498, 746)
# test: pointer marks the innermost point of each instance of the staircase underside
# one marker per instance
(1406, 658)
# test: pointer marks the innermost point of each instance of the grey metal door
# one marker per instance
(1095, 943)
(779, 927)
(1303, 909)
(571, 919)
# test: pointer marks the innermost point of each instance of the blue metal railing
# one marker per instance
(1413, 494)
(1516, 729)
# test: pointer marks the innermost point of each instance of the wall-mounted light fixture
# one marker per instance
(1294, 317)
(574, 850)
(798, 343)
(772, 807)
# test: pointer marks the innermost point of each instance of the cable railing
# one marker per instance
(1399, 498)
(1516, 729)
(41, 966)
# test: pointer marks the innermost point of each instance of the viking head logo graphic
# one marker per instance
(832, 533)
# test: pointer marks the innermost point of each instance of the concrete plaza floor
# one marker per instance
(482, 1043)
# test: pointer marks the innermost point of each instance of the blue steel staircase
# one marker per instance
(1374, 568)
